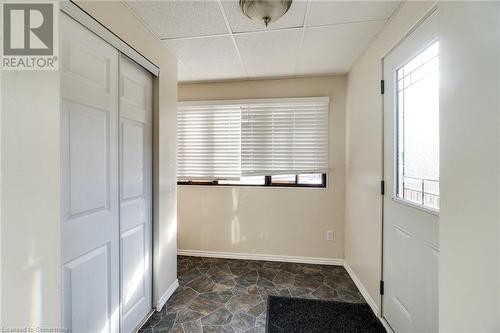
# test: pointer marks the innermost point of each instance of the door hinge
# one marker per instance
(382, 87)
(382, 187)
(381, 287)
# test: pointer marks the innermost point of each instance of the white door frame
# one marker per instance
(383, 190)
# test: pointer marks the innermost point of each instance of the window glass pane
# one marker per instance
(311, 179)
(283, 179)
(251, 180)
(418, 129)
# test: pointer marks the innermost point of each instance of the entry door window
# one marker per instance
(417, 162)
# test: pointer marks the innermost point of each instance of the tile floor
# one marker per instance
(222, 295)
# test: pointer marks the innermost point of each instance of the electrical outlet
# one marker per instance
(329, 235)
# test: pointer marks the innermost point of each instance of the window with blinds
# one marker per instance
(220, 140)
(208, 141)
(283, 137)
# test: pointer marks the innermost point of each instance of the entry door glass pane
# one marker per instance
(418, 129)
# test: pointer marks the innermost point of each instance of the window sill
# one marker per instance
(264, 187)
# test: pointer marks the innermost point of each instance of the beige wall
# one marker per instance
(277, 221)
(30, 195)
(469, 272)
(364, 150)
(30, 199)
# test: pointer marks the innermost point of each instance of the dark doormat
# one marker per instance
(298, 315)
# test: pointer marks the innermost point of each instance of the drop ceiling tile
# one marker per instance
(335, 12)
(270, 53)
(175, 19)
(209, 58)
(240, 23)
(334, 49)
(184, 74)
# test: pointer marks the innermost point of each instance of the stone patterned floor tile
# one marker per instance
(261, 321)
(154, 319)
(226, 284)
(219, 317)
(178, 328)
(325, 292)
(193, 326)
(350, 295)
(242, 302)
(242, 322)
(283, 278)
(204, 306)
(309, 280)
(218, 329)
(187, 315)
(230, 296)
(181, 299)
(201, 284)
(217, 296)
(166, 324)
(258, 309)
(248, 278)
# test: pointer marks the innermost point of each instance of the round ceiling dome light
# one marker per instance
(266, 11)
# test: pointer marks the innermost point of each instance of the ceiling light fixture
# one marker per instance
(267, 11)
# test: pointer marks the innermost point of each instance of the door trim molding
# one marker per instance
(264, 257)
(82, 17)
(427, 13)
(164, 298)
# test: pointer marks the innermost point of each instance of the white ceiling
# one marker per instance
(213, 40)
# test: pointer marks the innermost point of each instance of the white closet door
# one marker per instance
(89, 158)
(136, 99)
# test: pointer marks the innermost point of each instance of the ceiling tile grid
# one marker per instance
(337, 12)
(335, 48)
(180, 19)
(269, 53)
(214, 40)
(209, 57)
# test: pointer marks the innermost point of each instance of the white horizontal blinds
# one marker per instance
(208, 142)
(285, 137)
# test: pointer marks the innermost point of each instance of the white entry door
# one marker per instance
(89, 166)
(136, 103)
(411, 173)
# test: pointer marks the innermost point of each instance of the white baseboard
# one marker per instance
(164, 298)
(371, 302)
(264, 257)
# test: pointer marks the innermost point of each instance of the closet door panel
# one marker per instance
(89, 158)
(136, 94)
